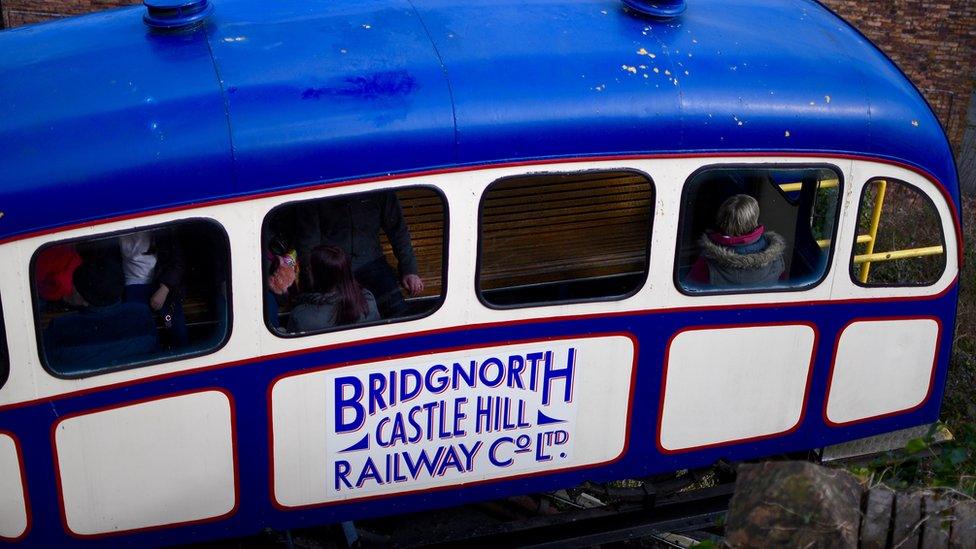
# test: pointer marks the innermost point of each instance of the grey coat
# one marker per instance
(319, 313)
(726, 268)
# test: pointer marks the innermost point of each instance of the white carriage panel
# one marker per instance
(882, 367)
(156, 463)
(724, 385)
(438, 437)
(13, 500)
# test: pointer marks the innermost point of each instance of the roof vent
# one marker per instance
(176, 14)
(659, 9)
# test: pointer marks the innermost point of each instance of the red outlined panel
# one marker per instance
(234, 451)
(931, 378)
(21, 465)
(454, 486)
(664, 380)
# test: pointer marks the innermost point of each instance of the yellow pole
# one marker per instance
(898, 254)
(873, 230)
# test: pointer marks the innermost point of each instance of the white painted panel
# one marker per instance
(881, 367)
(13, 505)
(729, 384)
(587, 381)
(155, 463)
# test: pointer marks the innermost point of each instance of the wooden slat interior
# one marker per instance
(551, 228)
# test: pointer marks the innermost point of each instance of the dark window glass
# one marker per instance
(756, 228)
(352, 260)
(4, 356)
(899, 237)
(133, 298)
(561, 238)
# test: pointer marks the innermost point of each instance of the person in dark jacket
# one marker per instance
(153, 267)
(353, 223)
(741, 252)
(105, 331)
(336, 298)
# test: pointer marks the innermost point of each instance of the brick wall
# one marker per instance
(933, 41)
(22, 12)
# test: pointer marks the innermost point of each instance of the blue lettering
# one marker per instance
(343, 404)
(551, 374)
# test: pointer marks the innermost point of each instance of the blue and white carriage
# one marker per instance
(556, 162)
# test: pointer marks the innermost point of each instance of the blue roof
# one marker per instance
(103, 117)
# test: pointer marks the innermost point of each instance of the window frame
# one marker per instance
(445, 248)
(38, 331)
(479, 291)
(942, 233)
(683, 213)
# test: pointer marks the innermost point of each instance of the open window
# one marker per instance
(899, 237)
(133, 298)
(562, 238)
(353, 260)
(756, 228)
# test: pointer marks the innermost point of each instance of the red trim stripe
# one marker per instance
(954, 207)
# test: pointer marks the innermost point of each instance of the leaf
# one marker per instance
(916, 445)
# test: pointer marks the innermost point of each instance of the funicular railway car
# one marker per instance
(545, 180)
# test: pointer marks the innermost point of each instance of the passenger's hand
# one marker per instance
(413, 284)
(158, 298)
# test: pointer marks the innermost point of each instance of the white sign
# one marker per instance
(450, 418)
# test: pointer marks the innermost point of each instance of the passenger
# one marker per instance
(53, 270)
(353, 223)
(281, 265)
(153, 267)
(741, 252)
(105, 330)
(336, 298)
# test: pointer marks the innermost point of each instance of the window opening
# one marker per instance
(352, 260)
(132, 298)
(562, 238)
(748, 229)
(899, 237)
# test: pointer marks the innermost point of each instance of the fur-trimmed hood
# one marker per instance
(726, 257)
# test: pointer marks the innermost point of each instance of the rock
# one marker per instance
(794, 504)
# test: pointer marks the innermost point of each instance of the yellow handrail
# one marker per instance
(861, 239)
(824, 184)
(873, 229)
(866, 259)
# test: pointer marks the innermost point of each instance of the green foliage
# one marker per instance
(948, 464)
(705, 544)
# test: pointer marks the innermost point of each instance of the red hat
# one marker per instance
(53, 270)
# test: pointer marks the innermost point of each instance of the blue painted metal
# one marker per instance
(305, 91)
(176, 14)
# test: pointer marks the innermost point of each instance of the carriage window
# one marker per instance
(352, 260)
(748, 229)
(561, 238)
(4, 356)
(899, 237)
(129, 299)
